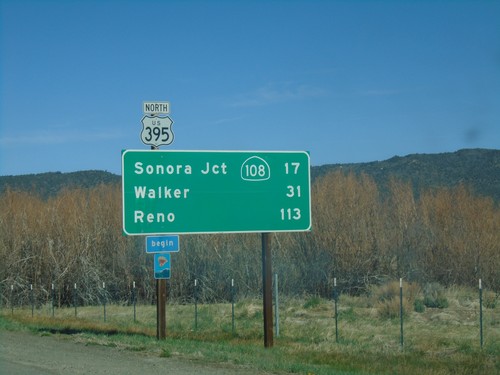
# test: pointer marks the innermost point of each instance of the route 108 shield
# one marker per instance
(157, 131)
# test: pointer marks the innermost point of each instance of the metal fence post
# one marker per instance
(12, 299)
(104, 299)
(232, 305)
(401, 308)
(276, 305)
(335, 299)
(195, 304)
(481, 313)
(134, 297)
(32, 301)
(53, 299)
(74, 300)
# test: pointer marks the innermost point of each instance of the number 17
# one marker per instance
(294, 165)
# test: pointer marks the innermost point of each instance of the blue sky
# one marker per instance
(349, 81)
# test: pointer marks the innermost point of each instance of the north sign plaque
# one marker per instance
(167, 192)
(156, 108)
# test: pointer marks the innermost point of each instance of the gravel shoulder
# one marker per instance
(29, 354)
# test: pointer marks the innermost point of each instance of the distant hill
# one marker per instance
(49, 184)
(476, 168)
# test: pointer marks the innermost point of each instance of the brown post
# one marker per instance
(161, 314)
(267, 289)
(161, 301)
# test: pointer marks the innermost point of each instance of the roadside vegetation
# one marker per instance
(62, 249)
(360, 236)
(437, 340)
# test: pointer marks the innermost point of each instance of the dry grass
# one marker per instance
(436, 341)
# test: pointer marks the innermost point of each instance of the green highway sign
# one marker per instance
(172, 192)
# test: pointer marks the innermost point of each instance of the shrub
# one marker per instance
(419, 305)
(166, 353)
(390, 309)
(385, 292)
(387, 299)
(434, 296)
(312, 302)
(490, 299)
(348, 315)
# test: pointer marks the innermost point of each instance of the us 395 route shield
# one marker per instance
(167, 192)
(157, 131)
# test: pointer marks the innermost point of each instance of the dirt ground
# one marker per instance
(23, 353)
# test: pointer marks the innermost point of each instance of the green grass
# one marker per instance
(437, 341)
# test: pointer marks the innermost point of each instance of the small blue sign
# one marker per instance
(162, 244)
(162, 266)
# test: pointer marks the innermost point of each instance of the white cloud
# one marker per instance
(277, 93)
(56, 137)
(378, 92)
(226, 120)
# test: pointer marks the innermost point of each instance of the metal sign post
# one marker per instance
(161, 302)
(157, 131)
(267, 289)
(161, 311)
